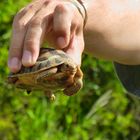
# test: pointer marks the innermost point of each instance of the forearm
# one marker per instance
(112, 31)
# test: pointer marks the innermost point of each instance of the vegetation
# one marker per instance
(102, 110)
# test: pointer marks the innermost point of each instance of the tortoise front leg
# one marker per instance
(50, 95)
(77, 83)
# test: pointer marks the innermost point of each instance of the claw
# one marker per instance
(50, 95)
(52, 98)
(28, 91)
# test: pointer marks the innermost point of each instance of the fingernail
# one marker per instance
(27, 58)
(61, 42)
(14, 64)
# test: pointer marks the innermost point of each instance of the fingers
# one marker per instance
(15, 51)
(62, 25)
(69, 29)
(76, 48)
(32, 43)
(33, 23)
(35, 32)
(18, 35)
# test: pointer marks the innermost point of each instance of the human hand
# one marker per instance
(58, 23)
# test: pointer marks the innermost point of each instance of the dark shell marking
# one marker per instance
(53, 71)
(48, 58)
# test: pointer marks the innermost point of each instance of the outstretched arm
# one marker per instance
(113, 30)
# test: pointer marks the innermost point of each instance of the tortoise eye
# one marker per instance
(64, 67)
(67, 66)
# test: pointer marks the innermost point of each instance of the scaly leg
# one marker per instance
(77, 84)
(50, 95)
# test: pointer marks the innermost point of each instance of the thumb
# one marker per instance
(75, 49)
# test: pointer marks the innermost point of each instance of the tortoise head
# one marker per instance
(69, 67)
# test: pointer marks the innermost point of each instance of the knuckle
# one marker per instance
(61, 30)
(19, 19)
(20, 14)
(18, 23)
(46, 2)
(75, 22)
(14, 51)
(29, 43)
(61, 8)
(35, 22)
(15, 44)
(30, 7)
(16, 19)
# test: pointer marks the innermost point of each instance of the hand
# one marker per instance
(58, 23)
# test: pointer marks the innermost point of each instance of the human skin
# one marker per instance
(111, 32)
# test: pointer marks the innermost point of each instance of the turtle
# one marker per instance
(53, 71)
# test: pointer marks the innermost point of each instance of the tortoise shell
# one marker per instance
(48, 58)
(53, 71)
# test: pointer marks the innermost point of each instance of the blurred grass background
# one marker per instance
(102, 110)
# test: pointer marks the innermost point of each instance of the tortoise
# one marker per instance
(53, 71)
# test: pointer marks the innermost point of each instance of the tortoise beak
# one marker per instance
(129, 75)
